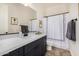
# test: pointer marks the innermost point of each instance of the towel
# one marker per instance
(73, 33)
(71, 30)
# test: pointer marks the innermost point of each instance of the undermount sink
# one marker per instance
(38, 33)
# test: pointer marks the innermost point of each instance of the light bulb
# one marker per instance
(25, 4)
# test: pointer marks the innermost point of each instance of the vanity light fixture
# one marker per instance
(26, 4)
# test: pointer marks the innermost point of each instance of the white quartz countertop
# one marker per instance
(10, 44)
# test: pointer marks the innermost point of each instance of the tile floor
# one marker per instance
(58, 52)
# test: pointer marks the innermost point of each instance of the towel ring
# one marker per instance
(74, 19)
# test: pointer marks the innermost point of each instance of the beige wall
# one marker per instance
(45, 9)
(40, 10)
(3, 18)
(56, 9)
(74, 46)
(22, 13)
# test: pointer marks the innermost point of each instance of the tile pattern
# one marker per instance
(58, 52)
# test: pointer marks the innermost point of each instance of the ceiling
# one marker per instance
(49, 4)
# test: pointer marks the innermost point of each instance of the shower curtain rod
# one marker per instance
(56, 14)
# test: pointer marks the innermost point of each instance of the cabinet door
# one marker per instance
(36, 48)
(30, 48)
(36, 51)
(21, 51)
(43, 45)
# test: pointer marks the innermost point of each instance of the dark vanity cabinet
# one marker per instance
(17, 52)
(35, 48)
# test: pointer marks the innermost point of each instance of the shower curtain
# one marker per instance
(55, 27)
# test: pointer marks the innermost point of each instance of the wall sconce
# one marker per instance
(40, 24)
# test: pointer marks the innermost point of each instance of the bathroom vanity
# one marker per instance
(31, 45)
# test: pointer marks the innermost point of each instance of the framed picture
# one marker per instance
(14, 21)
